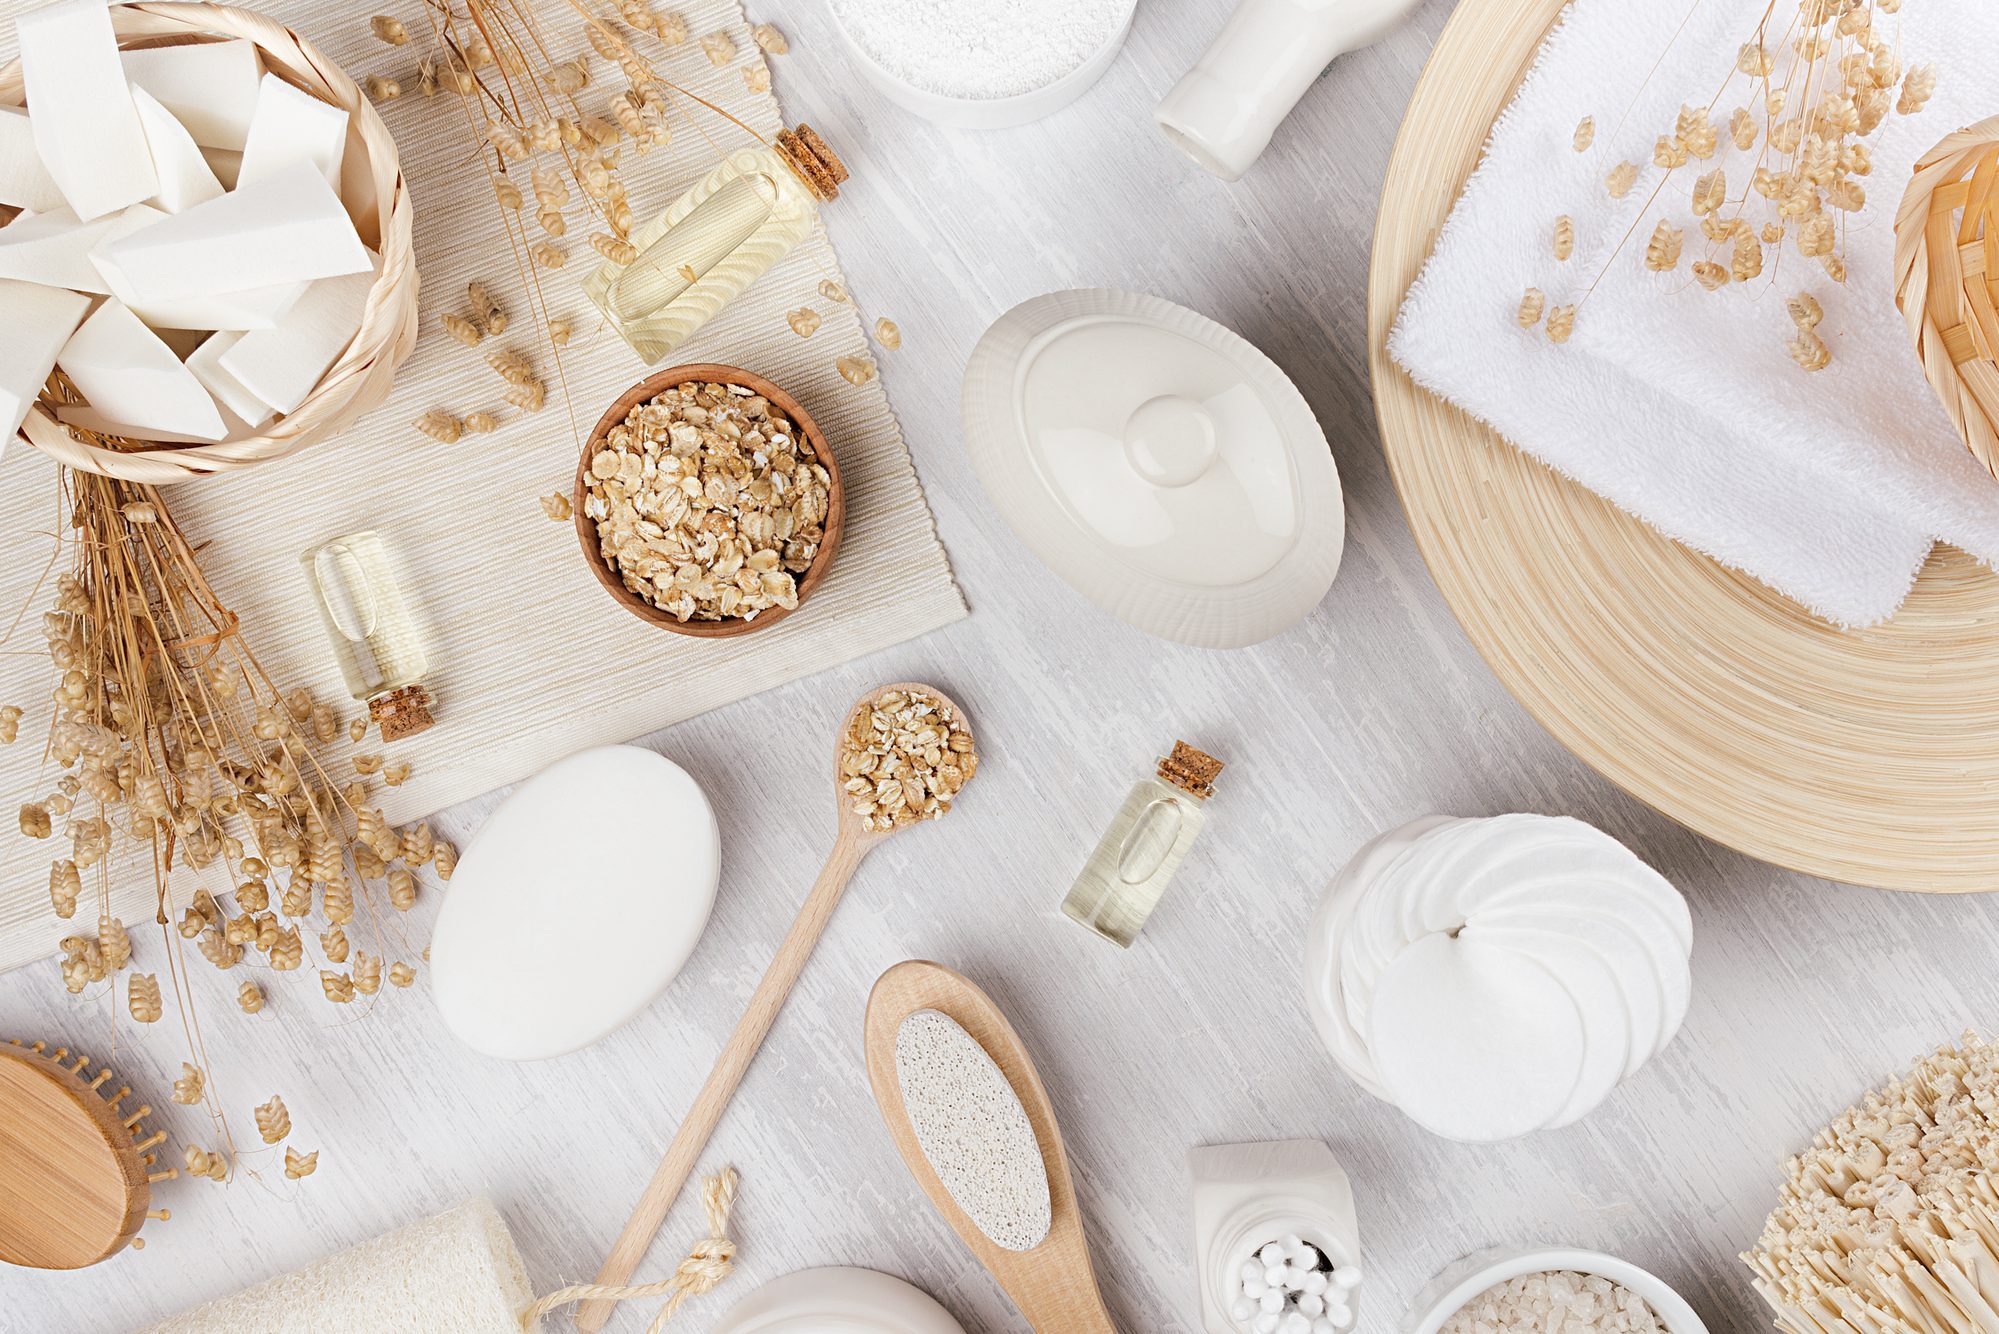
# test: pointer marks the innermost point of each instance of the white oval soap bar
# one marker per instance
(577, 902)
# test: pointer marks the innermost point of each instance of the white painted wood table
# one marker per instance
(1373, 711)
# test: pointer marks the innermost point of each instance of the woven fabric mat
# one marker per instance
(530, 658)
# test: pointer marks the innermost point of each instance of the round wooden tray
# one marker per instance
(1870, 757)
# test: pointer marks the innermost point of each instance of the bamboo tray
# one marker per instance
(1870, 757)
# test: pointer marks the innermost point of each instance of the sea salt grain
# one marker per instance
(972, 1128)
(1556, 1302)
(980, 48)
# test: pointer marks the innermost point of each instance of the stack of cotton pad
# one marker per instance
(1497, 977)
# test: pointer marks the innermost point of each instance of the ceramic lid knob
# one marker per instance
(1170, 440)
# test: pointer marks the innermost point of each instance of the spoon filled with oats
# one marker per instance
(902, 756)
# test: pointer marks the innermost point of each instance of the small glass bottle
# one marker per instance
(1144, 846)
(716, 240)
(369, 625)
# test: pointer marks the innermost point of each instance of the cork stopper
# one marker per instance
(402, 713)
(816, 164)
(1192, 771)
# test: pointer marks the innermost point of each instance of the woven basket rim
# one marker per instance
(360, 378)
(1939, 300)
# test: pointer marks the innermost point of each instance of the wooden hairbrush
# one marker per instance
(75, 1167)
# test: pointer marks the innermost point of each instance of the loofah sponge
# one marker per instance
(456, 1273)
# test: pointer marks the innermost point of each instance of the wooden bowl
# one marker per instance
(586, 527)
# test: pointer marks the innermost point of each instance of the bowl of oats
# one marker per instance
(708, 502)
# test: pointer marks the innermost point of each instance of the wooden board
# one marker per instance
(1865, 756)
(530, 659)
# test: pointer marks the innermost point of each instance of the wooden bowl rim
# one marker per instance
(652, 386)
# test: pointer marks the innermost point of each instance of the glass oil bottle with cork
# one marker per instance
(715, 240)
(1138, 855)
(373, 635)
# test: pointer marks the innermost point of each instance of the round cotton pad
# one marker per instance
(1622, 950)
(1476, 1042)
(578, 901)
(1599, 999)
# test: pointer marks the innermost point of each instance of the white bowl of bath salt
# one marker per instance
(1521, 1291)
(983, 64)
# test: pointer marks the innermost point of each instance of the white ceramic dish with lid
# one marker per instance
(1158, 463)
(1447, 1294)
(838, 1301)
(988, 113)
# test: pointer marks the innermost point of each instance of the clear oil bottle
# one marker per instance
(1128, 873)
(715, 240)
(369, 626)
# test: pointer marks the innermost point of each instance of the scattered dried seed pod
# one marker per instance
(402, 890)
(396, 772)
(1585, 134)
(274, 1122)
(440, 426)
(142, 994)
(1532, 303)
(1565, 237)
(113, 943)
(187, 1089)
(508, 194)
(1561, 323)
(1918, 87)
(557, 507)
(832, 291)
(65, 884)
(1621, 178)
(485, 310)
(1710, 275)
(333, 943)
(549, 256)
(569, 77)
(401, 974)
(139, 511)
(770, 38)
(527, 397)
(804, 321)
(201, 1163)
(390, 30)
(464, 330)
(357, 728)
(1711, 192)
(216, 948)
(339, 987)
(855, 370)
(426, 76)
(10, 723)
(888, 334)
(381, 88)
(552, 222)
(756, 78)
(1809, 351)
(250, 997)
(367, 973)
(35, 822)
(1747, 262)
(298, 1165)
(481, 423)
(560, 331)
(1742, 128)
(611, 248)
(446, 859)
(1804, 310)
(1662, 252)
(719, 47)
(671, 29)
(511, 366)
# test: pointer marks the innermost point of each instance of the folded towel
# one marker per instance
(1679, 405)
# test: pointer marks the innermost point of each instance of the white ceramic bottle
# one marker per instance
(1224, 111)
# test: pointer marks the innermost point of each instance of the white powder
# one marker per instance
(971, 1126)
(980, 48)
(1556, 1302)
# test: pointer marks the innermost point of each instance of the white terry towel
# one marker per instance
(1679, 405)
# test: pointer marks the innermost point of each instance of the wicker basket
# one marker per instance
(1947, 279)
(373, 188)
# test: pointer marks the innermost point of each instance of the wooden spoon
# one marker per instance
(852, 844)
(1053, 1284)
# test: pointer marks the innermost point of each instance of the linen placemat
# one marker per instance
(530, 659)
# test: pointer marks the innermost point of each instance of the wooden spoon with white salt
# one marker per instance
(973, 1122)
(894, 721)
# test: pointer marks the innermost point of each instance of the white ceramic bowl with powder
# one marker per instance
(1448, 1292)
(983, 64)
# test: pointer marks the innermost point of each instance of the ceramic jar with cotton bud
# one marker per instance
(1275, 1238)
(1496, 977)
